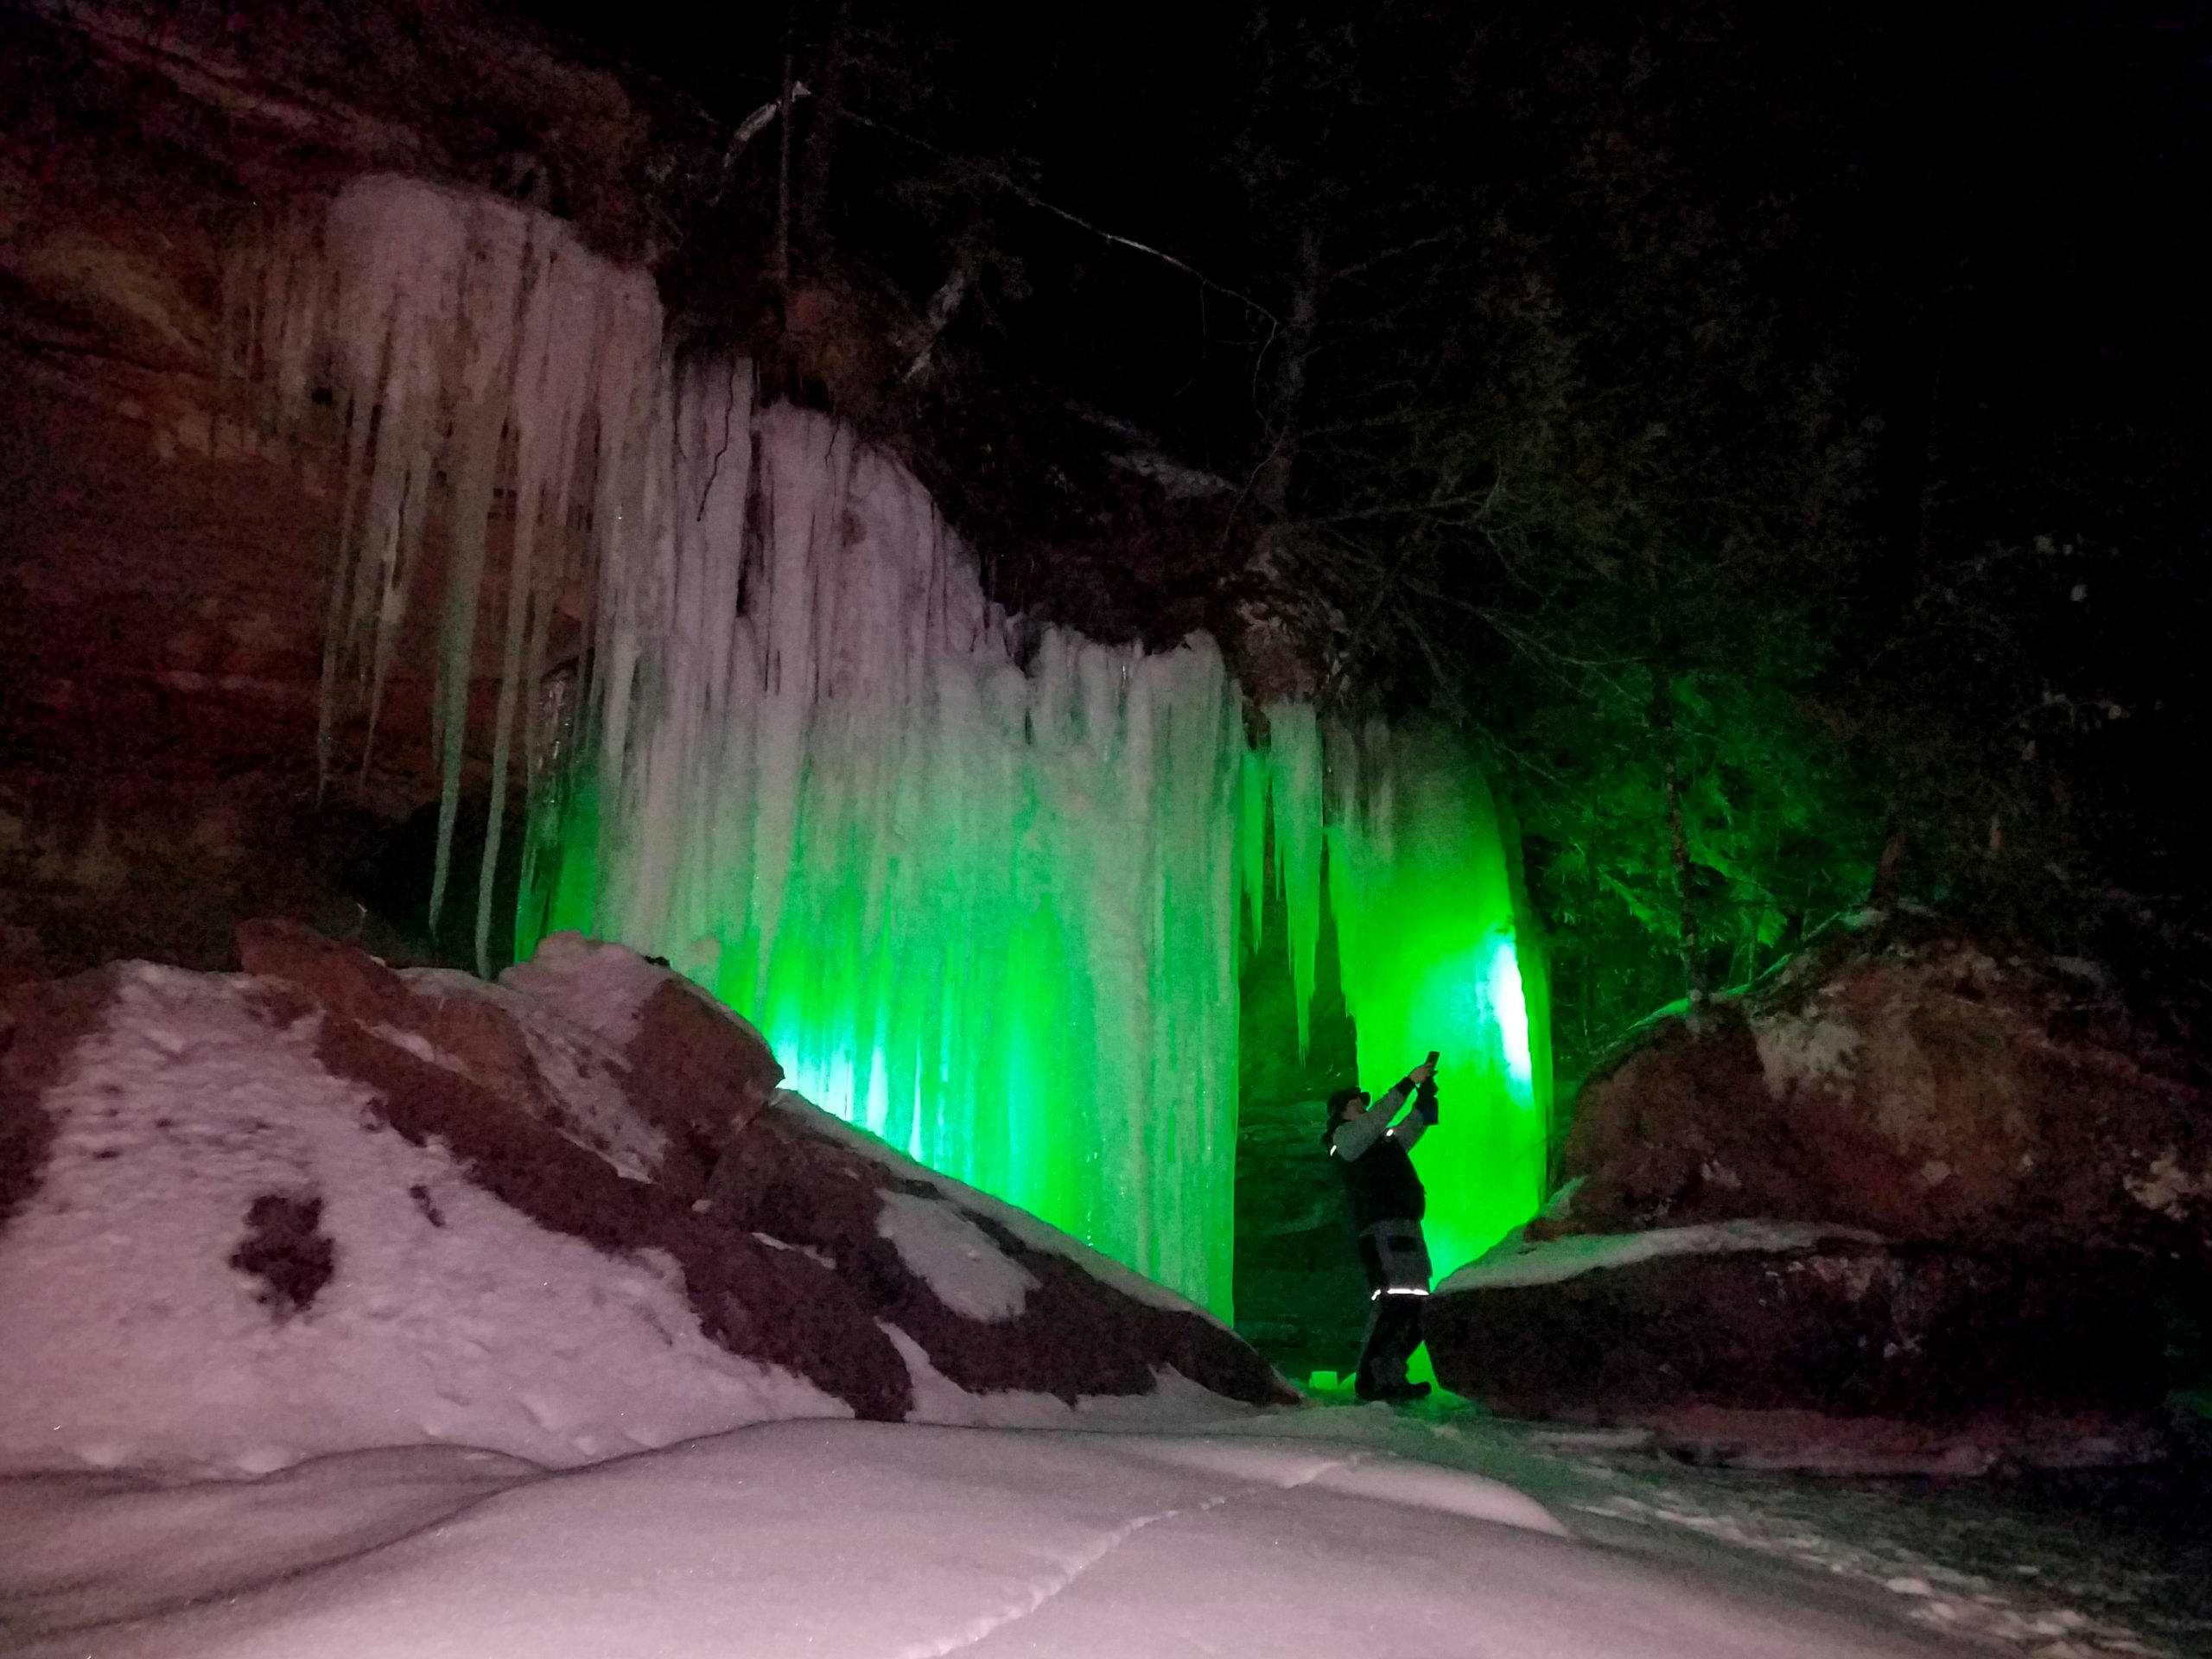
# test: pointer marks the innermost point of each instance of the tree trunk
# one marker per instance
(1663, 723)
(1273, 659)
(1271, 484)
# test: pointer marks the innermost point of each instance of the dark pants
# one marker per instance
(1396, 1259)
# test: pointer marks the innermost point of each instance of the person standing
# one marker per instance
(1368, 1143)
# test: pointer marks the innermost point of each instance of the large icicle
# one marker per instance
(1435, 945)
(471, 345)
(1432, 940)
(985, 911)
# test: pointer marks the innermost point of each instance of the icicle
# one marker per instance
(1252, 846)
(469, 341)
(1295, 786)
(987, 915)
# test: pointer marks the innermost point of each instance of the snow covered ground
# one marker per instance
(477, 1437)
(2061, 1566)
(1344, 1531)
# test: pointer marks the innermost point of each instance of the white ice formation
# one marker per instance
(977, 881)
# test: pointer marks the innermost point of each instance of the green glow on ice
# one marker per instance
(996, 1003)
(1430, 926)
(1007, 950)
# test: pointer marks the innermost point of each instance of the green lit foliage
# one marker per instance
(1778, 834)
(1580, 473)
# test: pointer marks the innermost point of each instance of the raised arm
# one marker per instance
(1356, 1135)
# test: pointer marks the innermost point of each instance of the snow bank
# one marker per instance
(847, 1539)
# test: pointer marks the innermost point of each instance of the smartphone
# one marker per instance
(1432, 1056)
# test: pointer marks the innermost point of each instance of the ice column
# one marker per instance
(976, 889)
(1436, 946)
(496, 385)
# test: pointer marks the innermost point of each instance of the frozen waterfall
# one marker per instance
(977, 881)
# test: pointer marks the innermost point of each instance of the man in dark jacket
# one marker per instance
(1369, 1150)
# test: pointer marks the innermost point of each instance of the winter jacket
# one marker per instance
(1370, 1152)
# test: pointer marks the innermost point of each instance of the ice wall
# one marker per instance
(976, 881)
(976, 889)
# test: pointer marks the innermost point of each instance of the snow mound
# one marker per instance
(814, 1539)
(230, 1262)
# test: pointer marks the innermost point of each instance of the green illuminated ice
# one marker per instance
(981, 891)
(979, 883)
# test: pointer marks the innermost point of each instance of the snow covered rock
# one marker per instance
(1912, 1178)
(998, 1302)
(231, 1250)
(247, 1218)
(627, 1057)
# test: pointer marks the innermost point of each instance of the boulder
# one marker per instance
(996, 1300)
(635, 1062)
(1914, 1178)
(1912, 1081)
(325, 1205)
(695, 1069)
(1779, 1317)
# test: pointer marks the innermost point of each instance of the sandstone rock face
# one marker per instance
(40, 1029)
(321, 1134)
(160, 612)
(1920, 1084)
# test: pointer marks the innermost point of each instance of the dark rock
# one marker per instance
(798, 1176)
(697, 1072)
(286, 1248)
(40, 1029)
(347, 980)
(1922, 1334)
(2032, 1181)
